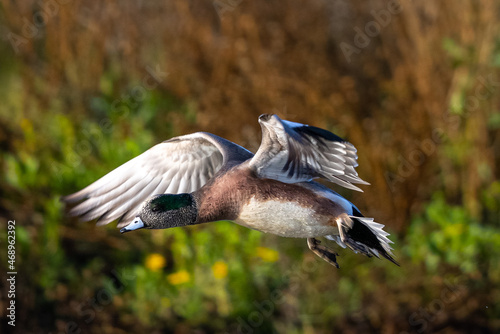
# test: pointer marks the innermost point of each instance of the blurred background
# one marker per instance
(415, 86)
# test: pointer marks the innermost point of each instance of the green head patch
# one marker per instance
(170, 202)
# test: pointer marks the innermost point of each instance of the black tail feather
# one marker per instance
(369, 240)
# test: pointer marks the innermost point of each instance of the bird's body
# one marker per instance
(202, 178)
(286, 219)
(295, 210)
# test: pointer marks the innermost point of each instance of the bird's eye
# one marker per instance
(155, 208)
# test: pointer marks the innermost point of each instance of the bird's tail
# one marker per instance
(364, 235)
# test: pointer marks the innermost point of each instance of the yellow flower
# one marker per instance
(179, 277)
(267, 254)
(219, 269)
(155, 262)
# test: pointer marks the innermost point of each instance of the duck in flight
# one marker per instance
(201, 177)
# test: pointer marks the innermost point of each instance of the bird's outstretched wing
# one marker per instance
(293, 152)
(179, 165)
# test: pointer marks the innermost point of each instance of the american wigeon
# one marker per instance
(200, 178)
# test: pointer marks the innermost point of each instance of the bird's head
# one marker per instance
(165, 211)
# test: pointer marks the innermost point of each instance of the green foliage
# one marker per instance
(446, 234)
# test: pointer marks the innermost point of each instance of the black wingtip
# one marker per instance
(322, 133)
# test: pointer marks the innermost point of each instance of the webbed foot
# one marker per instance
(323, 252)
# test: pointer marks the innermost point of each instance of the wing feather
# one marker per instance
(179, 165)
(292, 152)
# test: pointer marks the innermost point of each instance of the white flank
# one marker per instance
(286, 219)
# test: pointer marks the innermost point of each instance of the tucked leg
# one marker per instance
(323, 252)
